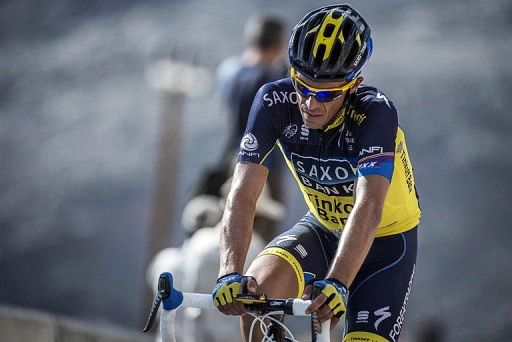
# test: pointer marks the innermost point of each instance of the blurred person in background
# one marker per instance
(355, 249)
(239, 78)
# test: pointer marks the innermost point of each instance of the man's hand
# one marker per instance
(227, 288)
(329, 299)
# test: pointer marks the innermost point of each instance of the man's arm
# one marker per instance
(357, 237)
(238, 218)
(359, 232)
(236, 234)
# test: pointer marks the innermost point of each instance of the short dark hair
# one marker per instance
(264, 31)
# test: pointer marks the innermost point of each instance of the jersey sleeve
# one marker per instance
(376, 148)
(262, 129)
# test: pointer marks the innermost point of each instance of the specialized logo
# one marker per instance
(380, 96)
(249, 142)
(290, 130)
(382, 313)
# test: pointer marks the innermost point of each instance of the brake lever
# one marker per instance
(164, 285)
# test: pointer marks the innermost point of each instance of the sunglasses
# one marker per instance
(321, 95)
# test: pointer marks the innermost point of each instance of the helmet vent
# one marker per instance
(308, 46)
(329, 30)
(347, 28)
(319, 55)
(336, 14)
(295, 43)
(316, 20)
(335, 54)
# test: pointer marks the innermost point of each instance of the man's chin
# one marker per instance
(311, 123)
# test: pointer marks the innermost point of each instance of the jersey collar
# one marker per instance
(337, 120)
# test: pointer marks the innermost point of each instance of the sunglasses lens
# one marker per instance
(326, 96)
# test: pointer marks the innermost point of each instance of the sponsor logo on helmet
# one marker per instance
(290, 130)
(249, 142)
(360, 55)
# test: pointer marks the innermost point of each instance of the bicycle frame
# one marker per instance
(173, 299)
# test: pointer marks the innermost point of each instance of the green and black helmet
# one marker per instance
(331, 43)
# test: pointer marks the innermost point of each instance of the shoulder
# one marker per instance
(372, 104)
(368, 97)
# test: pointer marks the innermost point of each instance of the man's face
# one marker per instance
(316, 114)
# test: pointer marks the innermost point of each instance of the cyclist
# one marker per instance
(355, 249)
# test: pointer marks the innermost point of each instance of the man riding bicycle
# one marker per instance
(355, 249)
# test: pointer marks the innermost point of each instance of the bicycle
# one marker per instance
(259, 306)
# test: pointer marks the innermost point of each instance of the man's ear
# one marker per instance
(359, 80)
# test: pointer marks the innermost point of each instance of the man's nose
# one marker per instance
(311, 102)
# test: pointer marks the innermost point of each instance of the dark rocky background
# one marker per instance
(79, 130)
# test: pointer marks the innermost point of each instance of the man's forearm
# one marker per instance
(236, 233)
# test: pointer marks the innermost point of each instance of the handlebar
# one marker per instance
(258, 304)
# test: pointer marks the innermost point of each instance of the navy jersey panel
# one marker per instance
(265, 122)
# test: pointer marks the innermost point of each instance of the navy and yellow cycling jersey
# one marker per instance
(364, 139)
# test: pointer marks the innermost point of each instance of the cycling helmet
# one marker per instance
(331, 43)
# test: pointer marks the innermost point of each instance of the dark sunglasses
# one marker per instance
(321, 94)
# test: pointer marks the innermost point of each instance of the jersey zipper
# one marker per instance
(320, 151)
